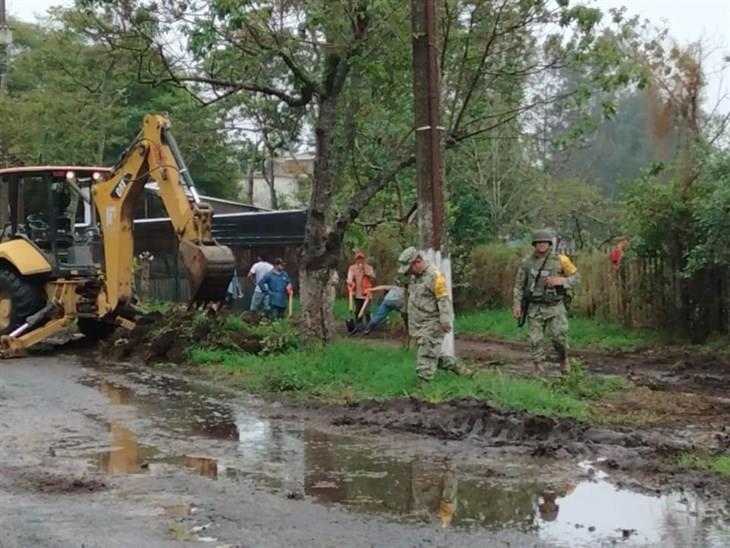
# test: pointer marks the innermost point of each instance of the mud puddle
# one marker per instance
(195, 432)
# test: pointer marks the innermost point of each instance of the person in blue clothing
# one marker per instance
(276, 285)
(393, 300)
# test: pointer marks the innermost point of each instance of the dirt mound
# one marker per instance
(488, 426)
(167, 337)
(459, 419)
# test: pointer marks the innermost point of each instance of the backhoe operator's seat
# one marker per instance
(40, 232)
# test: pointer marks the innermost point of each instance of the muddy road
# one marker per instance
(101, 454)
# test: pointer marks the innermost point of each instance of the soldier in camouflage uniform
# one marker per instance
(546, 276)
(430, 315)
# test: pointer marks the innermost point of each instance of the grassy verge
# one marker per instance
(348, 372)
(717, 463)
(584, 332)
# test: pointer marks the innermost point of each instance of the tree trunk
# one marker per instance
(317, 294)
(268, 172)
(320, 252)
(273, 198)
(249, 184)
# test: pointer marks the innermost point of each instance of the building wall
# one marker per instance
(289, 173)
(287, 192)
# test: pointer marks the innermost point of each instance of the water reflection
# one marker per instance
(202, 466)
(422, 490)
(341, 470)
(674, 520)
(117, 394)
(125, 455)
(332, 469)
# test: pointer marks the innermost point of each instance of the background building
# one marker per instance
(284, 183)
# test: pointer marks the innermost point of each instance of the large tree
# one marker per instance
(346, 64)
(70, 101)
(678, 210)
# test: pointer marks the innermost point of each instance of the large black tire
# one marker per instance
(96, 330)
(19, 298)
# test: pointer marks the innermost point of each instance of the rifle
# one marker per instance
(527, 294)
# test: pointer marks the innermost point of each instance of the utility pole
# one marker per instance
(432, 237)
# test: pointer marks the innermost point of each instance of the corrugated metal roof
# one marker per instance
(252, 229)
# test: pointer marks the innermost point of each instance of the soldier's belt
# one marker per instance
(540, 300)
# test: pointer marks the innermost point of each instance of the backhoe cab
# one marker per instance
(66, 249)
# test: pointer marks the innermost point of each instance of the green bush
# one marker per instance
(276, 337)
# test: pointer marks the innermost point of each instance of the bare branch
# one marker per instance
(478, 73)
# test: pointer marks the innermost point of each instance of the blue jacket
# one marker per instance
(274, 284)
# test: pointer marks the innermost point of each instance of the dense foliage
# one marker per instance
(70, 101)
(527, 86)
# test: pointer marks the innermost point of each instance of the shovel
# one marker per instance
(364, 307)
(351, 323)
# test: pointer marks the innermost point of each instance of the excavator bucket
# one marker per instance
(210, 267)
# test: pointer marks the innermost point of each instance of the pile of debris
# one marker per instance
(167, 337)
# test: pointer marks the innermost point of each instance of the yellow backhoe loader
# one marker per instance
(66, 250)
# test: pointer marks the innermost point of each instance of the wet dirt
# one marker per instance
(159, 338)
(170, 461)
(675, 392)
(155, 442)
(335, 469)
(670, 369)
(50, 483)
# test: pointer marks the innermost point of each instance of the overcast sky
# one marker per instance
(687, 20)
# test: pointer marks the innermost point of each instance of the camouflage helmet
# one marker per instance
(405, 259)
(542, 235)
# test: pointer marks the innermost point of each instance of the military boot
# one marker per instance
(565, 365)
(539, 369)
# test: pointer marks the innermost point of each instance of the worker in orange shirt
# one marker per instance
(360, 277)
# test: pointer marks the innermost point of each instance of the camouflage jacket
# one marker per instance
(428, 300)
(528, 278)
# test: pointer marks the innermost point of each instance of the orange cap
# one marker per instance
(359, 255)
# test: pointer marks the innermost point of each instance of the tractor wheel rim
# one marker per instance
(6, 310)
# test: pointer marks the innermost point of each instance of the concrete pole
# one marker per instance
(432, 237)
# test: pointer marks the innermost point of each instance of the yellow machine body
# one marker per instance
(25, 257)
(103, 293)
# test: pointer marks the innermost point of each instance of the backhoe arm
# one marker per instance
(154, 155)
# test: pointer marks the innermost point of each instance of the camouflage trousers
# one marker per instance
(429, 358)
(552, 318)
